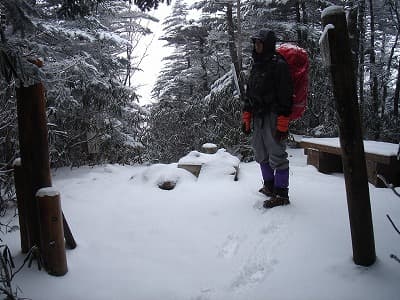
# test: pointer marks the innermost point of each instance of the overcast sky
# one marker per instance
(152, 63)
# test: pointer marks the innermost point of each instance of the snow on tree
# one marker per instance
(83, 46)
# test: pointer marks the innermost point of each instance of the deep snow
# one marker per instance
(210, 238)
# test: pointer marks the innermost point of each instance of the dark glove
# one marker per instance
(282, 129)
(246, 122)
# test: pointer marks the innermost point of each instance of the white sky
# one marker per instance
(152, 64)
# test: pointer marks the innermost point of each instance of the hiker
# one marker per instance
(267, 107)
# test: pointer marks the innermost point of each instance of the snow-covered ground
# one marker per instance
(210, 238)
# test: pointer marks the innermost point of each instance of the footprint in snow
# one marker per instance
(230, 247)
(205, 294)
(253, 273)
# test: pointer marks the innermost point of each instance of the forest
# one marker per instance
(91, 57)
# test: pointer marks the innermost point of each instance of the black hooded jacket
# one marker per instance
(269, 87)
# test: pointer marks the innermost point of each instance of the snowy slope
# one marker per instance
(210, 238)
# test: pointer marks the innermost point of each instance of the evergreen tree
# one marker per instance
(84, 66)
(176, 121)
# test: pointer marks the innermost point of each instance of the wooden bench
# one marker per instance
(326, 157)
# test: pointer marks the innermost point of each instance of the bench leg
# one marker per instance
(324, 162)
(391, 173)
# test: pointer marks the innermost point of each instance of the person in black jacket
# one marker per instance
(268, 104)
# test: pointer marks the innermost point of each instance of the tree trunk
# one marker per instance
(298, 20)
(354, 34)
(397, 93)
(395, 15)
(361, 30)
(203, 64)
(305, 20)
(301, 20)
(373, 74)
(386, 77)
(239, 35)
(232, 46)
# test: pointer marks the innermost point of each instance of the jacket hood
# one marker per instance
(268, 38)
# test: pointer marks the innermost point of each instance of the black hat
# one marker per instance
(267, 37)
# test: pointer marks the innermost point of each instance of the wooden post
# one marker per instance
(335, 49)
(32, 129)
(52, 243)
(34, 149)
(19, 181)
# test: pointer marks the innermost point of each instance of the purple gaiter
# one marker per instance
(282, 178)
(267, 172)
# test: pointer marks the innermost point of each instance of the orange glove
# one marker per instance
(282, 128)
(246, 122)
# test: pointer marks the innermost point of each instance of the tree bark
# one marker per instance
(298, 20)
(354, 34)
(397, 93)
(239, 34)
(232, 45)
(387, 73)
(361, 77)
(396, 16)
(373, 73)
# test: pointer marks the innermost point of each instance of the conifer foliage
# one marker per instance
(92, 111)
(198, 76)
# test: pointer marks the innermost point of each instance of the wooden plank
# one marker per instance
(192, 168)
(323, 148)
(384, 159)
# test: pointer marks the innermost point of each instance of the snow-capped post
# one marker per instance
(19, 182)
(335, 46)
(52, 245)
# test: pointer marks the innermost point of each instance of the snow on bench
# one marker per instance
(220, 162)
(381, 158)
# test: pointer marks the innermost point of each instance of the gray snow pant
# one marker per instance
(264, 145)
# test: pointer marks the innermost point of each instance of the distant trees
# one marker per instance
(373, 28)
(176, 121)
(376, 48)
(87, 51)
(92, 109)
(89, 56)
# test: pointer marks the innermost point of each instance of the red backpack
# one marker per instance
(297, 60)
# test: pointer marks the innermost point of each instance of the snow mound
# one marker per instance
(157, 174)
(213, 165)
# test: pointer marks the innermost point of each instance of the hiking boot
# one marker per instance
(280, 198)
(267, 189)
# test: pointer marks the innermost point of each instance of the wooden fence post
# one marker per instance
(52, 242)
(20, 191)
(32, 130)
(34, 149)
(335, 48)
